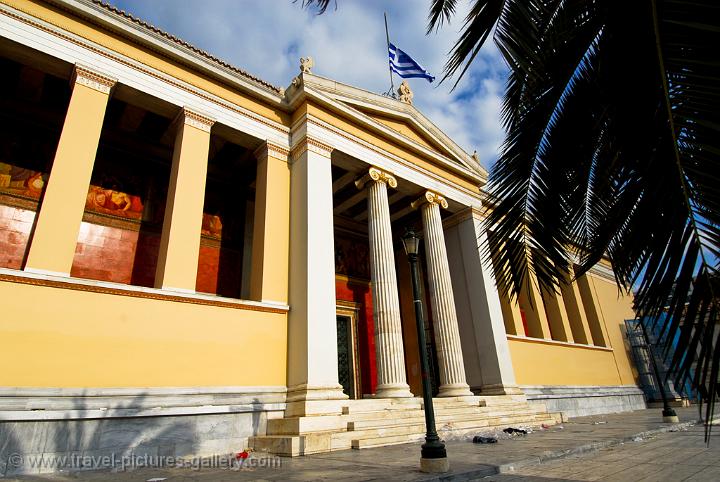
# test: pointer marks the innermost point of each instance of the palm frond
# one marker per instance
(441, 11)
(612, 119)
(320, 5)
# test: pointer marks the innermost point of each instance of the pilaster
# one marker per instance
(576, 311)
(271, 230)
(591, 304)
(180, 240)
(486, 354)
(52, 247)
(312, 326)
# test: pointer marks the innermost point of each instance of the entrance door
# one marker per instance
(348, 373)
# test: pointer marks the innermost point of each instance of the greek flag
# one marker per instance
(403, 65)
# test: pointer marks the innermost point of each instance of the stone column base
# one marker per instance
(455, 390)
(393, 390)
(499, 389)
(305, 400)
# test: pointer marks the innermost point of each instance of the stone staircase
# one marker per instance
(378, 422)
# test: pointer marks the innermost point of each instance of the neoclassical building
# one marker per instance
(194, 261)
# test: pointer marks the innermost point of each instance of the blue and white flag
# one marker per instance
(403, 65)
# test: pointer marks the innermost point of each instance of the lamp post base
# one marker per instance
(434, 466)
(669, 416)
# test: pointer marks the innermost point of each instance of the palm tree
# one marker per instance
(612, 114)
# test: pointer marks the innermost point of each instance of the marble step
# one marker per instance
(384, 441)
(440, 418)
(371, 405)
(444, 431)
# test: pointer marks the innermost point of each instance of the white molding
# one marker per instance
(156, 41)
(530, 339)
(309, 126)
(39, 35)
(30, 415)
(46, 392)
(190, 295)
(25, 404)
(382, 105)
(398, 138)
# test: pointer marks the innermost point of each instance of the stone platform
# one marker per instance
(380, 422)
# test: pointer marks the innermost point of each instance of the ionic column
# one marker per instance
(391, 378)
(52, 247)
(447, 336)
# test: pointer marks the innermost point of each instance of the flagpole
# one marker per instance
(387, 38)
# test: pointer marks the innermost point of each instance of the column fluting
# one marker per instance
(445, 323)
(390, 356)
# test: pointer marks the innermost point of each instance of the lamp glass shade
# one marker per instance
(411, 242)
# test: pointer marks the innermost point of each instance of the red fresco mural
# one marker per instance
(352, 262)
(121, 245)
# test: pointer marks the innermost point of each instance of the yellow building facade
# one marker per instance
(195, 261)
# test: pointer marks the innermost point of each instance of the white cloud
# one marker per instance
(348, 44)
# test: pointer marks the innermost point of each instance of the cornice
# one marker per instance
(108, 17)
(365, 121)
(394, 108)
(310, 144)
(26, 18)
(313, 121)
(195, 119)
(61, 282)
(270, 149)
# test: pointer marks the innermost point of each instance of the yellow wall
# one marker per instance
(538, 362)
(545, 362)
(614, 309)
(54, 337)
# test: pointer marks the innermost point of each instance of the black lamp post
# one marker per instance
(433, 457)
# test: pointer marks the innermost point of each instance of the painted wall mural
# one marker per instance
(18, 181)
(352, 257)
(105, 196)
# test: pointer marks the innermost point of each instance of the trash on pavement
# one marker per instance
(484, 440)
(513, 431)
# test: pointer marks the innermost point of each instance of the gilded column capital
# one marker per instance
(195, 119)
(376, 175)
(91, 78)
(430, 197)
(270, 149)
(310, 144)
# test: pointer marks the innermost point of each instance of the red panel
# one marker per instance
(358, 292)
(15, 227)
(219, 271)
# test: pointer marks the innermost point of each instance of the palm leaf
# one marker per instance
(612, 117)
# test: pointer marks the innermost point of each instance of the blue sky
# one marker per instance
(268, 37)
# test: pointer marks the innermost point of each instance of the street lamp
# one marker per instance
(433, 457)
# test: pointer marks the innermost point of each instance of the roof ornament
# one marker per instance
(306, 63)
(476, 157)
(404, 93)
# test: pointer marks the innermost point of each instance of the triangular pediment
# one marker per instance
(397, 118)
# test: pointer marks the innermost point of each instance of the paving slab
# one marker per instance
(616, 441)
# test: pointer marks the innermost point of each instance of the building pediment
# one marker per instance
(390, 117)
